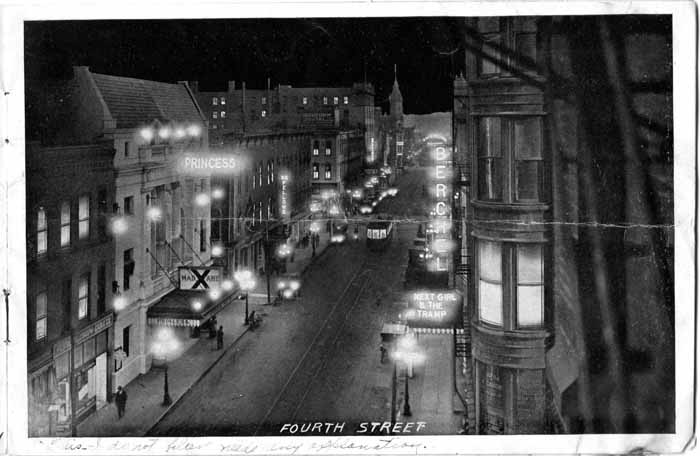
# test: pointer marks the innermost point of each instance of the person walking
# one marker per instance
(220, 338)
(120, 400)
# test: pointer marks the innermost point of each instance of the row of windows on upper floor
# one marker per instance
(215, 101)
(70, 220)
(328, 171)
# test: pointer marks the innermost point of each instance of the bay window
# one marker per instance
(510, 159)
(510, 284)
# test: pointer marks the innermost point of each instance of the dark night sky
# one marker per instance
(300, 52)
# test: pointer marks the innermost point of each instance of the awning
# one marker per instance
(184, 308)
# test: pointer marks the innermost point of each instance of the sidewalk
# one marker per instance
(431, 390)
(145, 393)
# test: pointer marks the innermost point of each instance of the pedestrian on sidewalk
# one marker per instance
(220, 338)
(120, 400)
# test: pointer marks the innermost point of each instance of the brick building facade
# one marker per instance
(70, 266)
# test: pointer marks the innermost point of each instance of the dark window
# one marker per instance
(528, 159)
(202, 236)
(125, 340)
(128, 267)
(101, 288)
(490, 160)
(102, 212)
(129, 205)
(126, 148)
(66, 289)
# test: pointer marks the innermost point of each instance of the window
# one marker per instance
(214, 101)
(129, 266)
(126, 148)
(528, 159)
(260, 174)
(41, 231)
(263, 100)
(489, 67)
(41, 315)
(325, 100)
(490, 161)
(83, 296)
(490, 283)
(315, 170)
(223, 101)
(215, 115)
(335, 100)
(263, 113)
(510, 157)
(101, 288)
(66, 300)
(126, 339)
(223, 114)
(328, 147)
(315, 147)
(84, 217)
(530, 293)
(328, 171)
(129, 205)
(345, 100)
(304, 100)
(202, 235)
(65, 224)
(272, 172)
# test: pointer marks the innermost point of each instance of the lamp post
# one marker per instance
(164, 345)
(406, 351)
(246, 281)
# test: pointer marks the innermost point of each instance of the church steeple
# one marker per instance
(395, 99)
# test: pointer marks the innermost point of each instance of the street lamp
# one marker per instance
(407, 352)
(246, 282)
(165, 344)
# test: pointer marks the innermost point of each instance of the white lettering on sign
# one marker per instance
(207, 164)
(284, 204)
(201, 278)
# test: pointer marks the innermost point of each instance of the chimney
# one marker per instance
(194, 86)
(232, 86)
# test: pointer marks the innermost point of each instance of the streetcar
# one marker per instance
(339, 231)
(379, 234)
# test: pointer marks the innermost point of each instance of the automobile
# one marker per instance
(289, 286)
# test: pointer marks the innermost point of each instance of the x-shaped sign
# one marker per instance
(200, 278)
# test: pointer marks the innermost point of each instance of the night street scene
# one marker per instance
(350, 226)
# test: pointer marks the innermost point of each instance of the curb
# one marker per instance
(195, 383)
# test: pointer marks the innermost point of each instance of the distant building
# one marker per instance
(70, 268)
(565, 177)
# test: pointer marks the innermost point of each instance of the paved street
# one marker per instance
(317, 358)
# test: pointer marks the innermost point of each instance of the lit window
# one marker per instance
(325, 100)
(335, 100)
(490, 283)
(263, 113)
(328, 147)
(41, 315)
(345, 100)
(530, 286)
(315, 170)
(65, 224)
(223, 100)
(490, 162)
(315, 147)
(328, 172)
(215, 115)
(83, 295)
(260, 174)
(223, 114)
(272, 171)
(41, 231)
(304, 100)
(264, 100)
(214, 101)
(83, 217)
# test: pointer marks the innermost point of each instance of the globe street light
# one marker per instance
(246, 282)
(407, 351)
(165, 344)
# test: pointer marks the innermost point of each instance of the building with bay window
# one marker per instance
(550, 181)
